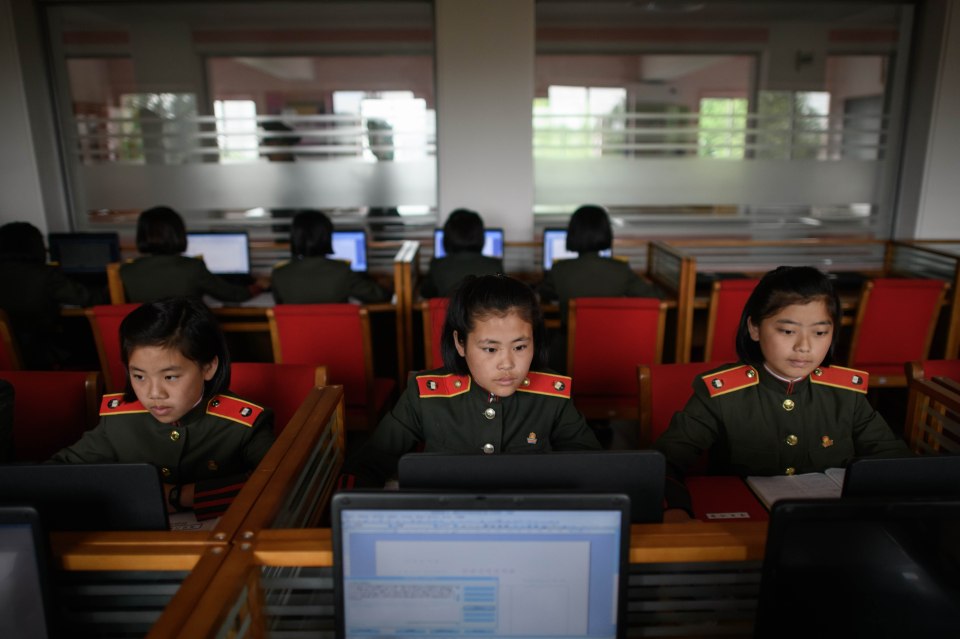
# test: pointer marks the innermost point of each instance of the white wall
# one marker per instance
(484, 88)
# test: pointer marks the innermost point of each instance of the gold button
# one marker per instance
(751, 373)
(788, 405)
(790, 470)
(559, 385)
(165, 471)
(488, 449)
(526, 381)
(817, 372)
(457, 383)
(792, 440)
(174, 435)
(212, 465)
(489, 413)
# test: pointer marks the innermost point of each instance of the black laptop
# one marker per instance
(24, 589)
(639, 474)
(930, 476)
(502, 565)
(88, 496)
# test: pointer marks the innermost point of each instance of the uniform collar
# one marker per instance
(771, 380)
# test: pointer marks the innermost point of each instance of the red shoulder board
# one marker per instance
(442, 385)
(732, 379)
(113, 404)
(234, 409)
(547, 384)
(840, 377)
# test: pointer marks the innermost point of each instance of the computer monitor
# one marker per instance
(639, 474)
(224, 253)
(88, 496)
(555, 248)
(929, 476)
(351, 246)
(84, 253)
(24, 594)
(865, 568)
(416, 564)
(492, 243)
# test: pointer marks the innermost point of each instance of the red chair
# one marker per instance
(105, 324)
(607, 338)
(434, 315)
(338, 337)
(9, 351)
(727, 300)
(895, 322)
(282, 387)
(51, 410)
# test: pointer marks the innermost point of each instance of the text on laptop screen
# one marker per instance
(492, 243)
(84, 252)
(503, 573)
(223, 253)
(351, 246)
(555, 248)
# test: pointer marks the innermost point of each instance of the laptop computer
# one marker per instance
(351, 247)
(84, 253)
(638, 474)
(864, 568)
(24, 589)
(503, 565)
(555, 248)
(492, 243)
(225, 253)
(930, 476)
(88, 496)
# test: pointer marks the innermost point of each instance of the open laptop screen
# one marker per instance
(929, 476)
(492, 243)
(223, 253)
(84, 252)
(555, 248)
(24, 611)
(351, 246)
(473, 565)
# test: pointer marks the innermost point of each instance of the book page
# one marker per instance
(837, 475)
(806, 486)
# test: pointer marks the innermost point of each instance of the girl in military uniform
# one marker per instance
(463, 237)
(782, 409)
(489, 397)
(176, 412)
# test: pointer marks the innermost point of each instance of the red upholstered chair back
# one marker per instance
(895, 322)
(608, 337)
(727, 300)
(105, 323)
(51, 410)
(9, 352)
(434, 315)
(282, 387)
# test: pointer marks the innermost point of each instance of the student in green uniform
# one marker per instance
(310, 277)
(490, 397)
(782, 409)
(463, 237)
(163, 272)
(32, 294)
(176, 412)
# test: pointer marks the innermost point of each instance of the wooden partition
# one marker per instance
(933, 416)
(675, 274)
(406, 280)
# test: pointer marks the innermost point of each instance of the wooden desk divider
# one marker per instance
(676, 274)
(406, 278)
(933, 416)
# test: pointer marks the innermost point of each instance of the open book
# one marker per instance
(825, 485)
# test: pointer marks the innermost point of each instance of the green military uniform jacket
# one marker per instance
(447, 272)
(450, 413)
(318, 280)
(752, 423)
(215, 445)
(589, 275)
(155, 277)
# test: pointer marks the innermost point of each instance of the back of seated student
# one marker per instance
(312, 278)
(463, 236)
(177, 412)
(782, 409)
(31, 292)
(163, 272)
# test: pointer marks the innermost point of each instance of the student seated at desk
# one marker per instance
(32, 294)
(486, 399)
(782, 409)
(463, 237)
(176, 412)
(163, 272)
(310, 277)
